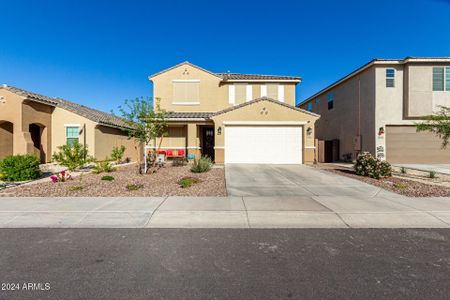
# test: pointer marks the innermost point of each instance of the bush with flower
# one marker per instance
(62, 176)
(367, 165)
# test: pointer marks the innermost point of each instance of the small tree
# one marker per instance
(72, 156)
(146, 124)
(439, 124)
(117, 153)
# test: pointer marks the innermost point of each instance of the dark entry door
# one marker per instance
(208, 142)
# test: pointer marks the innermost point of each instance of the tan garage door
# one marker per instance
(405, 145)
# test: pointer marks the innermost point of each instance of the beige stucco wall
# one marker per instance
(411, 98)
(61, 117)
(210, 92)
(275, 113)
(21, 113)
(106, 138)
(213, 92)
(353, 113)
(421, 99)
(10, 111)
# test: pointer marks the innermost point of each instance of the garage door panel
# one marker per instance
(405, 145)
(263, 144)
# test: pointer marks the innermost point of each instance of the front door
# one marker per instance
(208, 142)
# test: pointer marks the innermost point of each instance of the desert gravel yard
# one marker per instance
(163, 183)
(402, 186)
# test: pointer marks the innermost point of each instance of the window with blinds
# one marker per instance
(186, 92)
(438, 79)
(390, 78)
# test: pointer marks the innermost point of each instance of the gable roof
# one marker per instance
(376, 61)
(264, 99)
(81, 110)
(180, 64)
(235, 76)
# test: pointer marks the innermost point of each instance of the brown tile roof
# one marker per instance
(84, 111)
(265, 99)
(233, 76)
(237, 76)
(189, 115)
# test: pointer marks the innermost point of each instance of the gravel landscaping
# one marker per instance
(395, 184)
(127, 183)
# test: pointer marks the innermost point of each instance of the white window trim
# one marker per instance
(186, 103)
(231, 94)
(263, 90)
(445, 79)
(249, 93)
(280, 93)
(185, 80)
(72, 125)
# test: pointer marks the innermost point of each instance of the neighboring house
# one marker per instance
(35, 124)
(375, 108)
(234, 118)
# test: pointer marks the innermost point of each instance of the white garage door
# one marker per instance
(263, 144)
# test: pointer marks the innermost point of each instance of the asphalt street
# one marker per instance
(225, 263)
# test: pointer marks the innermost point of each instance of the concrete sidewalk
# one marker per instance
(226, 212)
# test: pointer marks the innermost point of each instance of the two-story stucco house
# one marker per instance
(375, 108)
(35, 124)
(234, 118)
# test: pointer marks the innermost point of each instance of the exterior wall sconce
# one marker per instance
(219, 130)
(309, 131)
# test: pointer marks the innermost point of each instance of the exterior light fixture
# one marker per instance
(219, 130)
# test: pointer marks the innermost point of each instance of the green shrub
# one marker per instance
(103, 166)
(432, 174)
(117, 153)
(72, 156)
(187, 182)
(108, 178)
(201, 165)
(367, 165)
(400, 186)
(20, 168)
(134, 187)
(75, 188)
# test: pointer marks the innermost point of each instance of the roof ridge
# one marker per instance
(92, 114)
(263, 99)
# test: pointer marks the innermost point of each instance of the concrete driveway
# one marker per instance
(293, 180)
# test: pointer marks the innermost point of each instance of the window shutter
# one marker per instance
(438, 79)
(281, 92)
(231, 94)
(249, 95)
(263, 90)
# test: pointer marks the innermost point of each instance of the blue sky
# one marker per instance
(99, 53)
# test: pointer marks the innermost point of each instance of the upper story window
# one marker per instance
(239, 92)
(309, 106)
(72, 134)
(317, 100)
(186, 92)
(390, 78)
(330, 97)
(441, 78)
